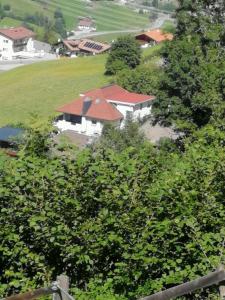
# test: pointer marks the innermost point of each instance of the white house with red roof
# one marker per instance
(86, 24)
(15, 42)
(93, 109)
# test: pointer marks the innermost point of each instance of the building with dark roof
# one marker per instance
(82, 47)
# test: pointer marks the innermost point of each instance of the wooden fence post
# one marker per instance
(222, 291)
(63, 282)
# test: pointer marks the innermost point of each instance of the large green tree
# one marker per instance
(125, 53)
(143, 80)
(192, 91)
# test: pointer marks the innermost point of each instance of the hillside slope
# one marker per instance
(40, 88)
(108, 16)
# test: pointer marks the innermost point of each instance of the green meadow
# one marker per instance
(41, 87)
(108, 16)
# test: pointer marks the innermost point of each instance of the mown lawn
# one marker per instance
(108, 16)
(40, 88)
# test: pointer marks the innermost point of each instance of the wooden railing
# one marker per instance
(61, 286)
(58, 288)
(186, 288)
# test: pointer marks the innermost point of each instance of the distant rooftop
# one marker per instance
(156, 35)
(16, 33)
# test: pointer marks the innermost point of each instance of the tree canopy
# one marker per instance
(192, 90)
(125, 52)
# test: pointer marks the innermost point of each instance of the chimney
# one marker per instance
(86, 105)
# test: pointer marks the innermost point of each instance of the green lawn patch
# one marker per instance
(108, 16)
(41, 87)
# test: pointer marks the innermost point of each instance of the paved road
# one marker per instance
(9, 65)
(156, 24)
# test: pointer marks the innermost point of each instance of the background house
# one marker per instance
(82, 46)
(110, 104)
(153, 37)
(15, 41)
(86, 24)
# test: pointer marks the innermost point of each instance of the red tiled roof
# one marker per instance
(98, 109)
(118, 94)
(17, 33)
(86, 22)
(75, 107)
(100, 106)
(102, 110)
(157, 35)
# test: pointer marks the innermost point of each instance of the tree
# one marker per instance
(149, 219)
(121, 139)
(155, 3)
(125, 52)
(141, 80)
(192, 90)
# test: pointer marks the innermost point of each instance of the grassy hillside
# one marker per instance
(108, 16)
(40, 88)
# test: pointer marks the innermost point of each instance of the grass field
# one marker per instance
(108, 16)
(40, 88)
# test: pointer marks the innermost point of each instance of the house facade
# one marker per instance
(111, 104)
(15, 42)
(86, 24)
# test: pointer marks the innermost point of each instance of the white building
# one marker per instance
(86, 24)
(111, 104)
(15, 42)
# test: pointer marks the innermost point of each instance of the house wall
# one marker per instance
(126, 111)
(136, 112)
(88, 126)
(142, 110)
(30, 44)
(87, 28)
(6, 48)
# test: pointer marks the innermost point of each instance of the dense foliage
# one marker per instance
(130, 220)
(192, 91)
(143, 80)
(125, 218)
(125, 53)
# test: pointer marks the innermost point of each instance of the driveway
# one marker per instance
(155, 133)
(6, 65)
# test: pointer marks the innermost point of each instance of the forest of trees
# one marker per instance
(124, 218)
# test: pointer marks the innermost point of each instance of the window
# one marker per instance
(129, 114)
(94, 122)
(5, 41)
(4, 49)
(73, 119)
(141, 105)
